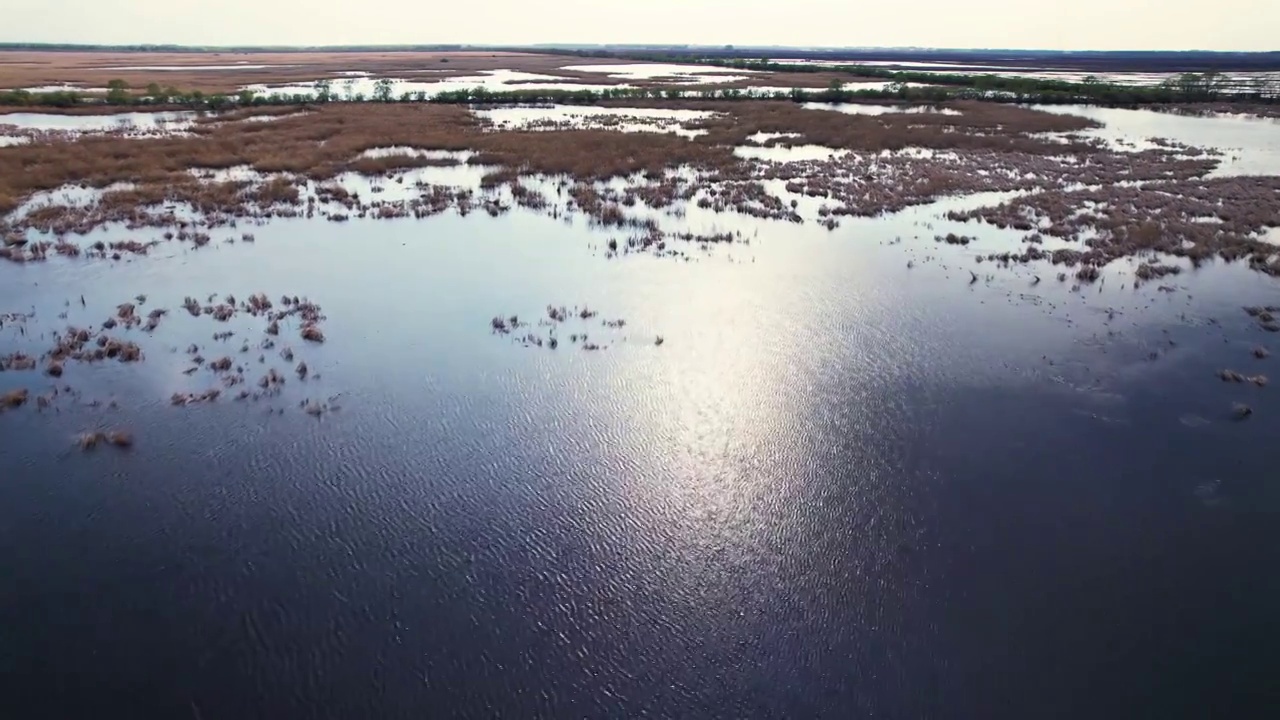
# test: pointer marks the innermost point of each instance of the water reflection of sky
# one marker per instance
(1249, 145)
(835, 460)
(493, 80)
(139, 121)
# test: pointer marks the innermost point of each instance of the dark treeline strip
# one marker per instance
(476, 96)
(1075, 60)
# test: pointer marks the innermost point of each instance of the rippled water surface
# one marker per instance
(853, 481)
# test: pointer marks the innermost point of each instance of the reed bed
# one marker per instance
(95, 69)
(1153, 201)
(1196, 220)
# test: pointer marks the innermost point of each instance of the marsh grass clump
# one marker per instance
(257, 304)
(153, 319)
(17, 361)
(555, 317)
(1165, 216)
(272, 381)
(13, 398)
(1154, 271)
(120, 438)
(89, 441)
(278, 190)
(1265, 315)
(502, 326)
(1088, 274)
(181, 399)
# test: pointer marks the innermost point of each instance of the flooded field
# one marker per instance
(356, 88)
(1137, 78)
(356, 73)
(691, 74)
(134, 121)
(701, 409)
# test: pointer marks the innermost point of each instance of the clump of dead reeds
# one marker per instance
(953, 239)
(1088, 274)
(195, 398)
(90, 440)
(13, 398)
(17, 361)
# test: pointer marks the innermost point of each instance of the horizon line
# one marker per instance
(572, 46)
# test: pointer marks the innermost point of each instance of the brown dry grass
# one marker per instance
(1166, 218)
(978, 126)
(94, 69)
(325, 142)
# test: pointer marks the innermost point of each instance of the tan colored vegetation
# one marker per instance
(93, 70)
(13, 398)
(321, 144)
(83, 345)
(330, 140)
(1164, 217)
(90, 440)
(978, 126)
(1137, 202)
(20, 69)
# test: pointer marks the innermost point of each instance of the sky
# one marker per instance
(1078, 24)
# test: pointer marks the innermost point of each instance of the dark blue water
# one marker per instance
(840, 488)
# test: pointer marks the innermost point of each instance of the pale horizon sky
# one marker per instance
(1078, 25)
